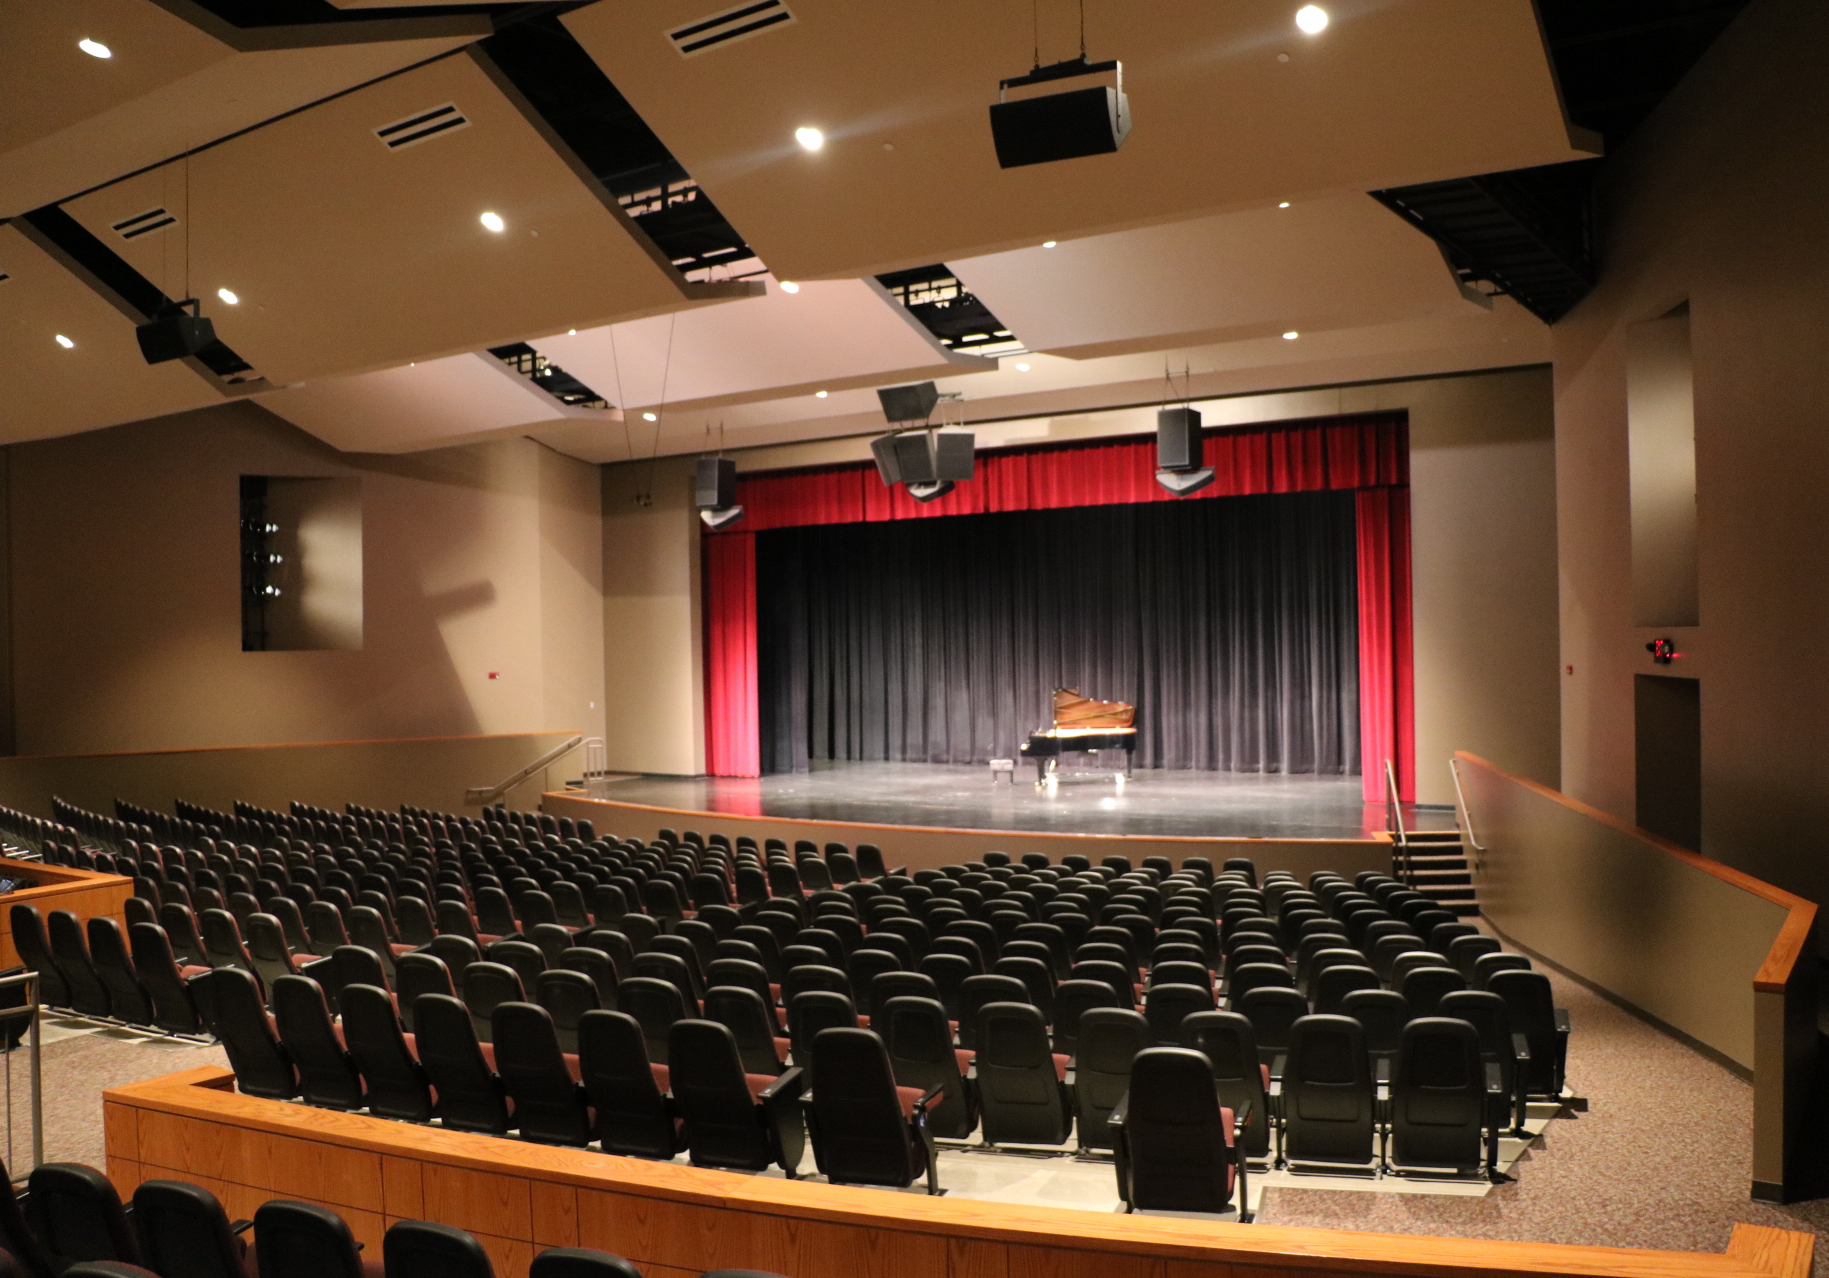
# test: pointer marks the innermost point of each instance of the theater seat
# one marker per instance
(421, 1249)
(1110, 1038)
(1439, 1102)
(1021, 1091)
(78, 1216)
(231, 1005)
(470, 1095)
(627, 1093)
(549, 1105)
(1241, 1080)
(304, 1240)
(865, 1132)
(174, 1007)
(1177, 1148)
(921, 1055)
(35, 952)
(397, 1085)
(184, 1233)
(732, 1120)
(327, 1074)
(88, 994)
(127, 996)
(580, 1262)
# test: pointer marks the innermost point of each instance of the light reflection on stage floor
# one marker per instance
(1193, 804)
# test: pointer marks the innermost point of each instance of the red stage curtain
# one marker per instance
(732, 722)
(1387, 702)
(1367, 451)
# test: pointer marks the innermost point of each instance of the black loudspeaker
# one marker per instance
(953, 451)
(888, 468)
(715, 483)
(1060, 126)
(914, 459)
(1179, 443)
(175, 335)
(909, 403)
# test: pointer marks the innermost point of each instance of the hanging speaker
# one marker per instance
(714, 483)
(1179, 443)
(953, 450)
(1183, 482)
(908, 403)
(888, 469)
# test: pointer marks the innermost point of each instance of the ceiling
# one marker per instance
(369, 291)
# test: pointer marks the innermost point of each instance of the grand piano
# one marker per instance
(1081, 724)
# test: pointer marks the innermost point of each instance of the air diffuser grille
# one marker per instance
(422, 126)
(728, 27)
(144, 224)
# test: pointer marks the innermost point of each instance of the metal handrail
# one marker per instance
(490, 793)
(28, 980)
(1394, 819)
(1466, 813)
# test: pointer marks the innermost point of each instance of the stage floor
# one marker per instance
(1182, 804)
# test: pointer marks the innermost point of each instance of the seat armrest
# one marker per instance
(931, 1095)
(1122, 1111)
(1495, 1079)
(1521, 1047)
(1562, 1020)
(241, 1226)
(1241, 1118)
(792, 1082)
(1277, 1064)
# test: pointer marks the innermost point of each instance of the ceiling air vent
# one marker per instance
(728, 27)
(144, 224)
(422, 126)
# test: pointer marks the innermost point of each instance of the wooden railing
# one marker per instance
(676, 1221)
(1710, 952)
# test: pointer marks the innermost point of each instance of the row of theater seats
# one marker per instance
(70, 1223)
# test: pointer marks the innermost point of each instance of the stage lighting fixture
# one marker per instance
(908, 403)
(1181, 451)
(172, 334)
(1060, 126)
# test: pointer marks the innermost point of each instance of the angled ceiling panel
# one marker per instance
(830, 333)
(348, 255)
(1393, 91)
(427, 405)
(77, 120)
(47, 389)
(1322, 264)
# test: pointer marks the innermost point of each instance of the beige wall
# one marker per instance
(653, 647)
(1719, 200)
(125, 586)
(1484, 547)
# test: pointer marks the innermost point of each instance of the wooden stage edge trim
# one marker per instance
(1251, 840)
(674, 1220)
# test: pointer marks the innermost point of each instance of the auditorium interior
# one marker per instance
(688, 639)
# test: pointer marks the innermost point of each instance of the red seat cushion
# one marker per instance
(488, 1053)
(906, 1097)
(965, 1056)
(398, 950)
(663, 1076)
(571, 1066)
(1266, 1072)
(757, 1084)
(782, 1047)
(187, 971)
(1060, 1067)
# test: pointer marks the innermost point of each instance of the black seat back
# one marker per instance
(1109, 1040)
(549, 1105)
(231, 1006)
(486, 986)
(724, 1127)
(327, 1073)
(1176, 1150)
(1327, 1093)
(566, 996)
(632, 1111)
(1438, 1096)
(127, 997)
(421, 1249)
(470, 1095)
(741, 1011)
(1532, 1005)
(860, 1136)
(78, 1216)
(921, 1055)
(71, 952)
(1019, 1087)
(174, 1008)
(183, 1231)
(655, 1004)
(1166, 1006)
(416, 974)
(811, 1011)
(35, 952)
(1227, 1041)
(397, 1086)
(303, 1240)
(580, 1262)
(1273, 1012)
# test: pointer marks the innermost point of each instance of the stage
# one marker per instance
(1174, 804)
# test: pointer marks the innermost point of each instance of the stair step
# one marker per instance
(1433, 836)
(1428, 879)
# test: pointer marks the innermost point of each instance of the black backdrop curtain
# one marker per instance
(1230, 624)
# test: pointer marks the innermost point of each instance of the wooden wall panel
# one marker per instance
(676, 1221)
(84, 893)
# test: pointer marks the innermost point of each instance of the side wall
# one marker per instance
(481, 583)
(1484, 552)
(1713, 205)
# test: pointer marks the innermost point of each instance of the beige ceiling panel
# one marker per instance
(830, 333)
(1343, 262)
(1036, 386)
(347, 256)
(74, 121)
(46, 389)
(1393, 92)
(433, 404)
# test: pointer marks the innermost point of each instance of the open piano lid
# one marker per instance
(1071, 710)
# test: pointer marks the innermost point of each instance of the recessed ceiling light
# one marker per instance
(788, 286)
(810, 138)
(1049, 243)
(65, 342)
(1283, 205)
(228, 296)
(819, 394)
(494, 222)
(648, 417)
(1022, 368)
(571, 332)
(1291, 335)
(1312, 18)
(95, 48)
